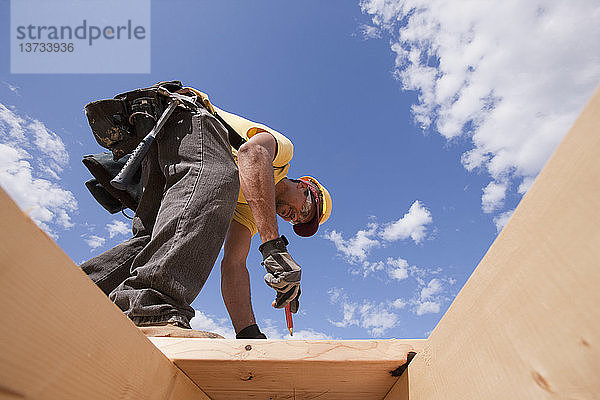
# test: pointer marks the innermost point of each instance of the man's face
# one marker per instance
(297, 206)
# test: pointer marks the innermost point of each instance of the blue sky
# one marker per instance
(426, 120)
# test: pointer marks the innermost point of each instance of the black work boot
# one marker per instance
(250, 332)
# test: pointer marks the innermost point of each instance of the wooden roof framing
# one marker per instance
(525, 326)
(290, 369)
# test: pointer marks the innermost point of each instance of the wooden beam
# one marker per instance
(60, 336)
(289, 369)
(400, 389)
(527, 323)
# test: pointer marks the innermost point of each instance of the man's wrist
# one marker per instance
(270, 236)
(277, 245)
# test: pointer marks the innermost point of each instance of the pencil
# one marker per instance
(288, 319)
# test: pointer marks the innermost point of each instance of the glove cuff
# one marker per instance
(273, 246)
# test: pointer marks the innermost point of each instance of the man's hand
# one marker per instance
(282, 296)
(283, 273)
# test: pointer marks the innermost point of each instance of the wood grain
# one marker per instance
(60, 336)
(527, 323)
(290, 369)
(400, 389)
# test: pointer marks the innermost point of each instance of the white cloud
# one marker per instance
(31, 159)
(370, 267)
(412, 225)
(398, 303)
(355, 249)
(511, 76)
(525, 185)
(398, 268)
(15, 89)
(348, 310)
(379, 317)
(502, 219)
(94, 241)
(428, 307)
(335, 294)
(339, 297)
(310, 334)
(418, 274)
(49, 144)
(493, 197)
(433, 287)
(369, 31)
(117, 227)
(274, 330)
(376, 318)
(431, 296)
(12, 124)
(269, 328)
(204, 322)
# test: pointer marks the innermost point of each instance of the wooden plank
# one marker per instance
(60, 336)
(290, 369)
(527, 323)
(400, 389)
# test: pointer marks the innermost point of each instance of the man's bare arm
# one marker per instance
(235, 282)
(255, 160)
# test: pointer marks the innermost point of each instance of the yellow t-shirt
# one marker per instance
(247, 129)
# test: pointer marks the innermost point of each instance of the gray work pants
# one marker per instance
(191, 186)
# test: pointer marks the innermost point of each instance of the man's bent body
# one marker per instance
(189, 208)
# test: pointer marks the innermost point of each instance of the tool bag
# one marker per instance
(104, 168)
(119, 125)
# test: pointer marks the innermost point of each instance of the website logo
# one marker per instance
(91, 36)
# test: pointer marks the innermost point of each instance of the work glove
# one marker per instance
(283, 273)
